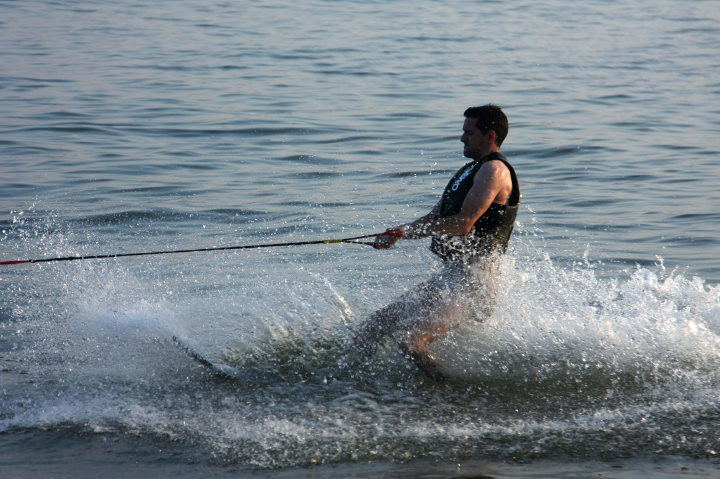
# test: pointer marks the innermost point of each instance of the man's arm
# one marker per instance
(491, 182)
(428, 218)
(384, 241)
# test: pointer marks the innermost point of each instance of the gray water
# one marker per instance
(130, 127)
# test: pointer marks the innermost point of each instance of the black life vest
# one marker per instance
(491, 232)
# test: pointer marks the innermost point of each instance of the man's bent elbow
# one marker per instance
(464, 226)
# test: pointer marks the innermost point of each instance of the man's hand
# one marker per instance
(388, 238)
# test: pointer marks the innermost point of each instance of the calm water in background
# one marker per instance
(130, 127)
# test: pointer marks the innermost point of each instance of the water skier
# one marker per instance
(469, 226)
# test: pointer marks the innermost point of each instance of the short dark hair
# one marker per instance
(490, 117)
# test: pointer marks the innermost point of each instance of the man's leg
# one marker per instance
(429, 310)
(403, 313)
(417, 344)
(461, 295)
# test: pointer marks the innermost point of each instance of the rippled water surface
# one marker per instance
(130, 127)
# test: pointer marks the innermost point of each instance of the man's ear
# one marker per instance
(492, 136)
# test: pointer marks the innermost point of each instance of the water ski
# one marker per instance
(218, 370)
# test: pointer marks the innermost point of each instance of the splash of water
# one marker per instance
(571, 350)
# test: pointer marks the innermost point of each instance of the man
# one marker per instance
(469, 226)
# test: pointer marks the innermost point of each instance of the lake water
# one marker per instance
(130, 127)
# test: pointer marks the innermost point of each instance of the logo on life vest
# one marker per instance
(460, 179)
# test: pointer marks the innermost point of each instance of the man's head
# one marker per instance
(484, 130)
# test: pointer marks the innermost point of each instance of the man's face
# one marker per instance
(477, 144)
